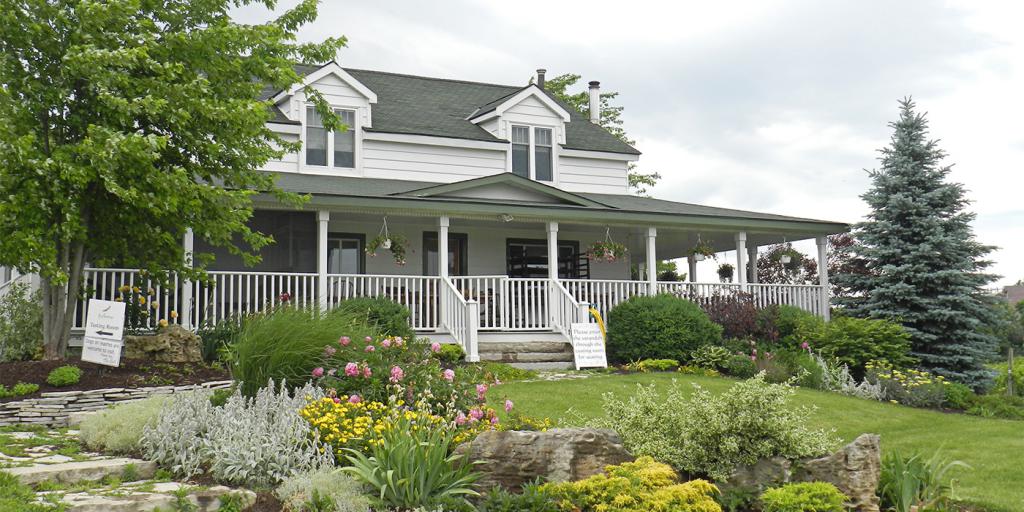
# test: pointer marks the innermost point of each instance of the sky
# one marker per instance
(775, 106)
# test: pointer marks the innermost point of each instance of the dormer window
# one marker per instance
(532, 152)
(330, 149)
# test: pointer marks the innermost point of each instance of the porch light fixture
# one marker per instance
(506, 217)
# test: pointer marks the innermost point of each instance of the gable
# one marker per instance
(505, 192)
(331, 69)
(504, 187)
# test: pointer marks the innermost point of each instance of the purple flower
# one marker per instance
(449, 375)
(481, 390)
(508, 405)
(318, 372)
(351, 369)
(475, 414)
(494, 420)
(435, 347)
(397, 374)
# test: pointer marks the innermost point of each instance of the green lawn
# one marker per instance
(993, 448)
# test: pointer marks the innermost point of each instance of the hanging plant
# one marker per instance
(790, 258)
(702, 250)
(395, 243)
(607, 250)
(725, 272)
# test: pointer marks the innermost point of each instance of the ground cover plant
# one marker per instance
(982, 443)
(119, 429)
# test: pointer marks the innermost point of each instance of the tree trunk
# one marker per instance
(60, 301)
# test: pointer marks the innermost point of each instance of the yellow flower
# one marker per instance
(163, 322)
(135, 289)
(119, 299)
(174, 314)
(154, 304)
(124, 288)
(142, 300)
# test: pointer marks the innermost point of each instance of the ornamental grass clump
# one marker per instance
(710, 435)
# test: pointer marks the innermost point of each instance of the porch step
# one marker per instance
(550, 354)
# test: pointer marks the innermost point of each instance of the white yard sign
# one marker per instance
(588, 346)
(104, 330)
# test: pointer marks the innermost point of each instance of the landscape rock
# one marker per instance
(855, 470)
(71, 472)
(513, 458)
(172, 344)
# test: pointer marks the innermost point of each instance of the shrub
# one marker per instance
(801, 365)
(522, 422)
(217, 339)
(915, 388)
(736, 314)
(119, 429)
(533, 499)
(653, 365)
(19, 389)
(788, 318)
(1002, 376)
(67, 375)
(336, 491)
(639, 486)
(287, 344)
(255, 441)
(915, 483)
(660, 327)
(711, 357)
(857, 341)
(451, 353)
(711, 435)
(389, 317)
(740, 366)
(959, 396)
(998, 406)
(21, 323)
(411, 467)
(696, 370)
(803, 497)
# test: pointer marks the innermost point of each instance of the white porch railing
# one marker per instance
(604, 294)
(804, 296)
(229, 294)
(108, 283)
(526, 305)
(490, 292)
(566, 309)
(418, 293)
(461, 318)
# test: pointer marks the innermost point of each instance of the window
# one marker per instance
(521, 151)
(458, 247)
(542, 154)
(533, 153)
(339, 145)
(529, 258)
(345, 253)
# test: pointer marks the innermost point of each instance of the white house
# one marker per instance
(499, 190)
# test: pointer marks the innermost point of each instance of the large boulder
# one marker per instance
(513, 458)
(855, 470)
(171, 344)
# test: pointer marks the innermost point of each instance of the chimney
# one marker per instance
(595, 102)
(540, 77)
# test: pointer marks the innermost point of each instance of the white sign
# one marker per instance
(104, 330)
(588, 346)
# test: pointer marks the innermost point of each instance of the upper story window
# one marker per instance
(532, 153)
(332, 149)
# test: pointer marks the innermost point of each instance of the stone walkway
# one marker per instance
(52, 463)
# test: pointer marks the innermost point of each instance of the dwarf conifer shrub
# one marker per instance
(658, 327)
(67, 375)
(803, 497)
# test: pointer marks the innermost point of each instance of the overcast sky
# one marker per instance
(770, 106)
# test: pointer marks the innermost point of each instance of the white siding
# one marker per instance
(420, 162)
(289, 162)
(532, 111)
(577, 174)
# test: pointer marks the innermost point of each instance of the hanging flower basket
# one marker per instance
(725, 272)
(393, 242)
(702, 251)
(607, 251)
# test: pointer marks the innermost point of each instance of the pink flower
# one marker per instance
(475, 414)
(351, 370)
(329, 351)
(386, 342)
(449, 375)
(508, 405)
(494, 420)
(337, 400)
(398, 342)
(354, 399)
(435, 347)
(368, 339)
(344, 341)
(805, 346)
(367, 372)
(753, 358)
(369, 348)
(460, 419)
(497, 381)
(481, 390)
(397, 374)
(318, 372)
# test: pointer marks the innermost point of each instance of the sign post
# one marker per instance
(104, 331)
(588, 346)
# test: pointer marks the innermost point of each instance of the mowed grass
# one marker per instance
(993, 448)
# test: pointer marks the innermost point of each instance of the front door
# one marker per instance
(528, 258)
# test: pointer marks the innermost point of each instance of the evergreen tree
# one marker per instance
(925, 268)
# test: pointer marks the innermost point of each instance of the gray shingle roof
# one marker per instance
(417, 105)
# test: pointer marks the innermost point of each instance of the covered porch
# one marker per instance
(478, 260)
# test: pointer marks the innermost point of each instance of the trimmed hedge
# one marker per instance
(658, 327)
(390, 317)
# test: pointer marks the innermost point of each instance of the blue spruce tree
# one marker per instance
(924, 267)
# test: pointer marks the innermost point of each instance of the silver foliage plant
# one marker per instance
(837, 378)
(256, 441)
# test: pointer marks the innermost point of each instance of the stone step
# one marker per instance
(162, 498)
(527, 357)
(551, 365)
(73, 472)
(523, 346)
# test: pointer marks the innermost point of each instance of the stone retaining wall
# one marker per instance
(53, 409)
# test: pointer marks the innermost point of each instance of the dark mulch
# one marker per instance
(132, 373)
(266, 502)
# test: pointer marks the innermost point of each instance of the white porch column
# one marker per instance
(691, 262)
(442, 246)
(322, 218)
(185, 315)
(752, 259)
(553, 251)
(652, 261)
(741, 259)
(826, 289)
